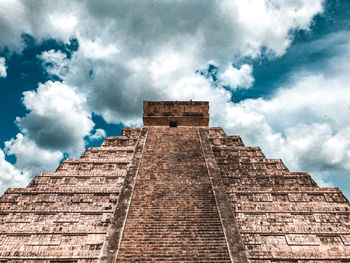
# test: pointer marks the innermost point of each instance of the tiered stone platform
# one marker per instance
(64, 216)
(281, 216)
(186, 193)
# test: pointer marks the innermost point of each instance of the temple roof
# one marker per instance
(176, 113)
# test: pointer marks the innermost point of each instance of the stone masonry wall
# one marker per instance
(282, 216)
(183, 113)
(64, 216)
(185, 194)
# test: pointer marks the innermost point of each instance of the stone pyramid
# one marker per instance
(175, 190)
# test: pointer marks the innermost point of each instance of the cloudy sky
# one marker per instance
(276, 72)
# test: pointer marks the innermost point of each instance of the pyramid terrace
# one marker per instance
(174, 190)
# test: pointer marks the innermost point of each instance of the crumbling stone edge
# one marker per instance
(109, 251)
(233, 240)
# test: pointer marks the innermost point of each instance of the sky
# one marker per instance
(275, 72)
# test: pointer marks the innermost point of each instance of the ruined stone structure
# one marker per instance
(175, 113)
(186, 193)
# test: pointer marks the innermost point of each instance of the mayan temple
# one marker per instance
(175, 190)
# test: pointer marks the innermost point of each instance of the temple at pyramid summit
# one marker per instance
(174, 190)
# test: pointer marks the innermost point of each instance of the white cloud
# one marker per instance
(63, 22)
(306, 123)
(99, 134)
(30, 158)
(130, 54)
(37, 19)
(55, 62)
(57, 123)
(3, 73)
(13, 23)
(144, 54)
(218, 29)
(237, 78)
(57, 117)
(10, 176)
(269, 23)
(97, 49)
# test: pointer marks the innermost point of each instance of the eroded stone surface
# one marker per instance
(65, 215)
(176, 113)
(282, 216)
(185, 194)
(173, 216)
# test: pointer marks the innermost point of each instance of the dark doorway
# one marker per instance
(173, 124)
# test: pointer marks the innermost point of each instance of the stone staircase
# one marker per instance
(173, 216)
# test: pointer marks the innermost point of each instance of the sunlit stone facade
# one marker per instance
(175, 190)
